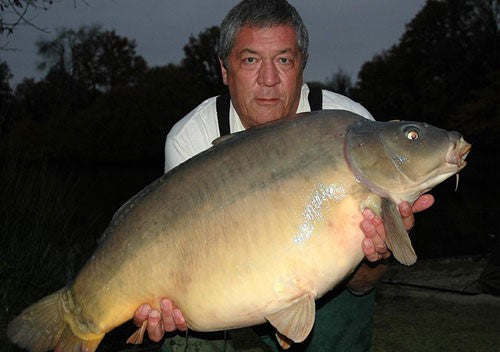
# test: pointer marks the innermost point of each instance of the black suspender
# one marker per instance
(222, 105)
(315, 98)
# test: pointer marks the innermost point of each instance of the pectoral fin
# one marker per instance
(295, 322)
(138, 335)
(397, 239)
(283, 341)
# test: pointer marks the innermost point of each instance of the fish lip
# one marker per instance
(458, 153)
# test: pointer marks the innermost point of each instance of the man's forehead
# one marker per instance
(251, 39)
(245, 50)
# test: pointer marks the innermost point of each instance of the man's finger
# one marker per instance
(179, 320)
(405, 209)
(422, 203)
(368, 229)
(166, 315)
(373, 244)
(369, 250)
(155, 327)
(406, 215)
(372, 225)
(141, 314)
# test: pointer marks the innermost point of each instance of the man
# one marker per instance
(263, 51)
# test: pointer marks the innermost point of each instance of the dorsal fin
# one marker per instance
(223, 138)
(138, 336)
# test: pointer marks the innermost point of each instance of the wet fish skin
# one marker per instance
(253, 229)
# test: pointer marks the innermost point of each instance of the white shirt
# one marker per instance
(196, 131)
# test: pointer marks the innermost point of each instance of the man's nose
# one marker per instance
(268, 74)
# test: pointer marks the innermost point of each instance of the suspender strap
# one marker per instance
(222, 105)
(315, 98)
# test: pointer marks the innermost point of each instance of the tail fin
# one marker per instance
(41, 327)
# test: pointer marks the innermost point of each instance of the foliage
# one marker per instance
(339, 82)
(480, 114)
(447, 51)
(5, 94)
(14, 13)
(444, 70)
(5, 76)
(96, 59)
(99, 102)
(52, 216)
(108, 61)
(122, 125)
(201, 59)
(36, 209)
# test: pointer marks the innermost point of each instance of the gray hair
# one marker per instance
(260, 14)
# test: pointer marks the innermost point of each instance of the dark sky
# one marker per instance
(343, 33)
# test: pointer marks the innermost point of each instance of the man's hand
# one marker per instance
(168, 319)
(372, 226)
(374, 247)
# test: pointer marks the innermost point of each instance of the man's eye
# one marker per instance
(284, 60)
(250, 60)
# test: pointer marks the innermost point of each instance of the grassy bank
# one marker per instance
(421, 319)
(39, 247)
(51, 219)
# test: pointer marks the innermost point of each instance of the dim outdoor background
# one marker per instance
(88, 133)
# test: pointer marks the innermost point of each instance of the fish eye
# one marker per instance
(412, 133)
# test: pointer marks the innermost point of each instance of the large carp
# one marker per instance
(252, 230)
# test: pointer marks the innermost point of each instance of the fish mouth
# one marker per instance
(458, 153)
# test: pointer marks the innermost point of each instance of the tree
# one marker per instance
(5, 94)
(201, 60)
(5, 76)
(14, 13)
(108, 61)
(99, 60)
(339, 82)
(480, 115)
(444, 70)
(58, 53)
(61, 84)
(446, 52)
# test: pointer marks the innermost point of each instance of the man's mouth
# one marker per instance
(267, 101)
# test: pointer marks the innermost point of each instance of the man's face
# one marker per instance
(264, 74)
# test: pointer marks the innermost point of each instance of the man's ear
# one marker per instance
(223, 70)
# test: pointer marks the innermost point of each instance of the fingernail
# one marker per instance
(165, 304)
(144, 309)
(406, 206)
(365, 225)
(177, 314)
(154, 314)
(367, 244)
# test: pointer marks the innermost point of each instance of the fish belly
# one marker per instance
(268, 258)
